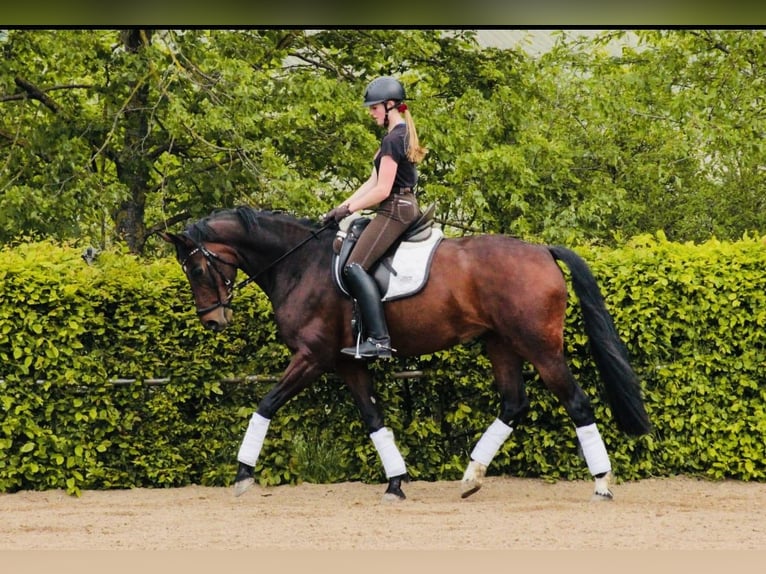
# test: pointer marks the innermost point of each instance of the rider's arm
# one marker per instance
(376, 188)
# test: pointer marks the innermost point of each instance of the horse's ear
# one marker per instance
(169, 237)
(178, 241)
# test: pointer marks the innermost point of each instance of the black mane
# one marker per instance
(248, 217)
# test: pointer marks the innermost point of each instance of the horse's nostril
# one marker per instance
(213, 325)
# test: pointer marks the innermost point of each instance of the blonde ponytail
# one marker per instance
(415, 152)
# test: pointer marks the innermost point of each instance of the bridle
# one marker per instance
(211, 257)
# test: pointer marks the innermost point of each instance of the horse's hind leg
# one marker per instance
(558, 378)
(507, 370)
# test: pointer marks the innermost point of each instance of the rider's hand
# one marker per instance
(336, 214)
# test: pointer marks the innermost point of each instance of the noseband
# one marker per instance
(212, 257)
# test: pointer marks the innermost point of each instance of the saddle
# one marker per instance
(404, 269)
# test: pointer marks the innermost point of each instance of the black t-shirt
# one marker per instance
(394, 143)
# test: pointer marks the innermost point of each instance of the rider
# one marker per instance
(390, 187)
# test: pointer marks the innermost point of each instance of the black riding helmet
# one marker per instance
(383, 89)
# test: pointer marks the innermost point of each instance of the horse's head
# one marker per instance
(257, 242)
(211, 269)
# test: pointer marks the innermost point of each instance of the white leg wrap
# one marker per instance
(392, 460)
(253, 441)
(490, 442)
(593, 449)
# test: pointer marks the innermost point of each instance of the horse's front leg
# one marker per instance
(299, 373)
(359, 381)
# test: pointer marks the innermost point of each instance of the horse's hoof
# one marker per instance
(244, 480)
(389, 497)
(602, 492)
(602, 496)
(472, 478)
(242, 486)
(394, 492)
(470, 490)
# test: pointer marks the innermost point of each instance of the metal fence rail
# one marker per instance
(235, 380)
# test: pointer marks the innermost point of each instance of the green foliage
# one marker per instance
(693, 318)
(109, 381)
(575, 146)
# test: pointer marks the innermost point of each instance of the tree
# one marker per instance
(157, 126)
(666, 136)
(110, 135)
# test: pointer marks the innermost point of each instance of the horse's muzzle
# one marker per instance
(218, 319)
(214, 325)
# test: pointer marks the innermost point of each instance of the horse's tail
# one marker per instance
(610, 354)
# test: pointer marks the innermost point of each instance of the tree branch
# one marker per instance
(13, 138)
(25, 95)
(36, 93)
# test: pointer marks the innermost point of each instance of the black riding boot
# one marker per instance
(363, 288)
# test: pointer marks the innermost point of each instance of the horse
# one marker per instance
(510, 293)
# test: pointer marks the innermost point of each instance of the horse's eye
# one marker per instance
(197, 272)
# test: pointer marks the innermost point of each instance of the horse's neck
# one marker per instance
(282, 254)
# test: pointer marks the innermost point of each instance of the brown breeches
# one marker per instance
(393, 216)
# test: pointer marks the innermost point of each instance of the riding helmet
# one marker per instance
(383, 89)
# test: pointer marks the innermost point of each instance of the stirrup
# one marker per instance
(370, 349)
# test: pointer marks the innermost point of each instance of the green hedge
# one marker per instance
(109, 380)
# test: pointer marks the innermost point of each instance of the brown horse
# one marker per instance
(511, 293)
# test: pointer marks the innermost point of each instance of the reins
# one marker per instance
(210, 257)
(251, 278)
